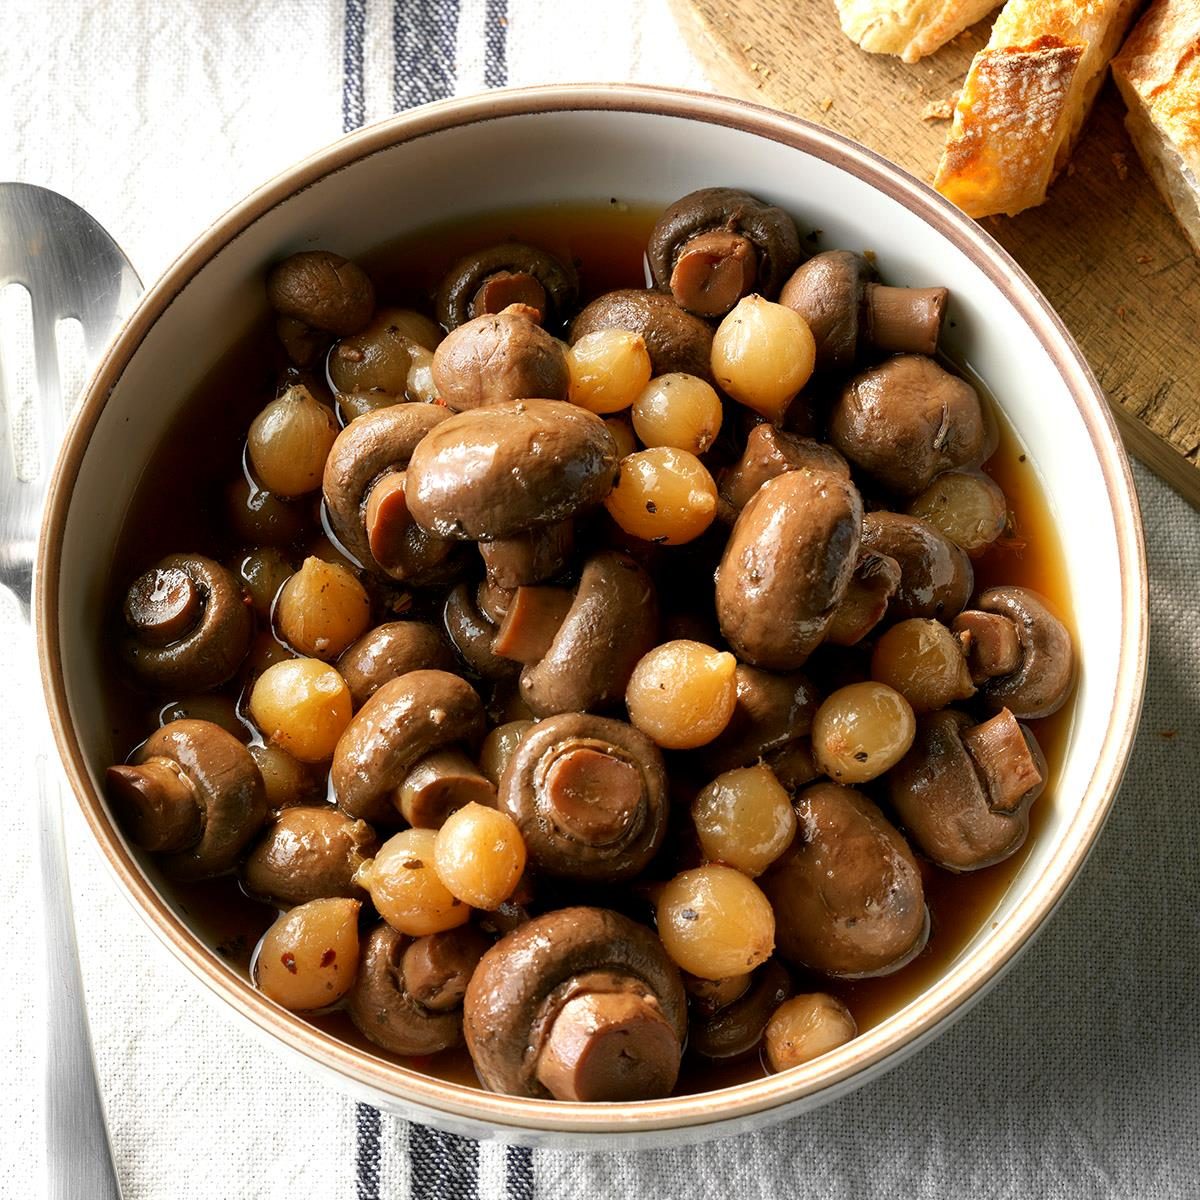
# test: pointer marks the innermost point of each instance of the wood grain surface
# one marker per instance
(1103, 248)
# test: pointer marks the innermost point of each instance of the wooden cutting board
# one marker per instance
(1103, 248)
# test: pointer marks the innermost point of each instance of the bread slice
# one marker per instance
(1025, 99)
(909, 28)
(1158, 72)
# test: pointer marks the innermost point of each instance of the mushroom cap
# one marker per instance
(499, 471)
(786, 565)
(767, 226)
(736, 1029)
(388, 651)
(1046, 674)
(526, 977)
(589, 795)
(827, 291)
(847, 896)
(907, 420)
(322, 289)
(402, 722)
(675, 340)
(770, 452)
(463, 280)
(936, 576)
(381, 1007)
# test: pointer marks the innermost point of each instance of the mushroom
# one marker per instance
(936, 577)
(589, 795)
(787, 565)
(875, 581)
(736, 1029)
(408, 994)
(323, 290)
(837, 295)
(577, 1004)
(769, 452)
(403, 721)
(716, 245)
(390, 650)
(189, 624)
(473, 633)
(439, 784)
(499, 358)
(489, 280)
(308, 852)
(907, 420)
(191, 793)
(1019, 653)
(611, 623)
(531, 557)
(964, 790)
(847, 896)
(676, 340)
(366, 495)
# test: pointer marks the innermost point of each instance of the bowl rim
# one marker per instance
(950, 995)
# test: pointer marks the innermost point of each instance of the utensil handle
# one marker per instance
(78, 1158)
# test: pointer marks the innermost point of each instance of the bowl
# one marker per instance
(642, 145)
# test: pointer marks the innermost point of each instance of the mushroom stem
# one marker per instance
(906, 320)
(162, 605)
(438, 966)
(503, 288)
(594, 796)
(533, 618)
(439, 784)
(528, 557)
(387, 521)
(990, 642)
(609, 1046)
(713, 272)
(1005, 761)
(157, 803)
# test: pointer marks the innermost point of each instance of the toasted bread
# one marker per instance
(909, 28)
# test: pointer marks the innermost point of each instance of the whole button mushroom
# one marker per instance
(308, 852)
(611, 623)
(589, 795)
(489, 280)
(676, 340)
(406, 719)
(964, 790)
(770, 452)
(716, 245)
(366, 495)
(499, 358)
(837, 294)
(847, 895)
(1019, 653)
(391, 650)
(577, 1004)
(407, 997)
(908, 420)
(322, 290)
(192, 794)
(786, 566)
(189, 624)
(736, 1029)
(936, 577)
(499, 472)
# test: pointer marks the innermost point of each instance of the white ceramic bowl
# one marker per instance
(509, 149)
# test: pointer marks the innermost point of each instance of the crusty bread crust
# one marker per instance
(1025, 99)
(1158, 72)
(909, 28)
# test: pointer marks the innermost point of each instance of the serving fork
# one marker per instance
(71, 269)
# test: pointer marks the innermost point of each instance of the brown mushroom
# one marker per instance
(577, 1004)
(770, 452)
(714, 246)
(439, 784)
(499, 358)
(366, 496)
(786, 567)
(847, 896)
(612, 622)
(391, 650)
(675, 340)
(531, 557)
(837, 295)
(736, 1029)
(936, 577)
(498, 472)
(191, 793)
(589, 795)
(382, 1003)
(189, 624)
(907, 420)
(489, 280)
(474, 634)
(403, 721)
(1018, 652)
(875, 581)
(963, 791)
(323, 290)
(307, 853)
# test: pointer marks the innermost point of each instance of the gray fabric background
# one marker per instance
(1078, 1077)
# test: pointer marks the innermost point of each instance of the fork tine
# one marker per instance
(50, 408)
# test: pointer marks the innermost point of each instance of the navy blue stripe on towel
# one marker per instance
(518, 1173)
(425, 37)
(495, 60)
(366, 1159)
(444, 1166)
(353, 102)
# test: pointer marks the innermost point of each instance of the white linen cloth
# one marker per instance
(1079, 1075)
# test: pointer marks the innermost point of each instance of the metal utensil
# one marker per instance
(71, 268)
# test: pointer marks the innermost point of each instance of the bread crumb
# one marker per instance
(1122, 165)
(826, 104)
(937, 110)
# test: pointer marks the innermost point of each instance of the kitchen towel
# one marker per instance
(1077, 1077)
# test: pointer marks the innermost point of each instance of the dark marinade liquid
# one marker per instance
(180, 505)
